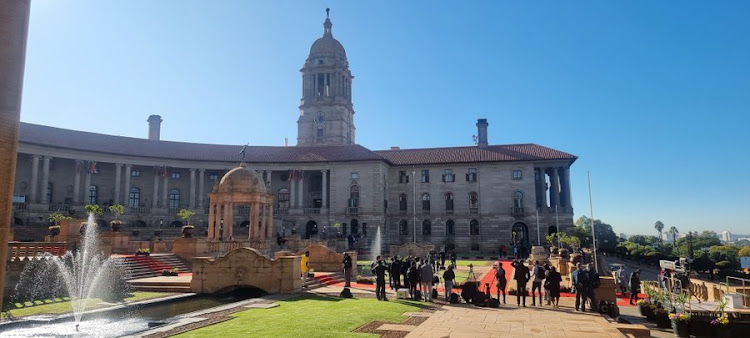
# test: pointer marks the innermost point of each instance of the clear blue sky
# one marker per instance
(653, 96)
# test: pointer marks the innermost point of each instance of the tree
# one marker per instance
(659, 226)
(719, 253)
(57, 217)
(606, 239)
(186, 214)
(673, 231)
(117, 210)
(744, 251)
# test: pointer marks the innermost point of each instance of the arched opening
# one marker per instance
(449, 202)
(518, 199)
(354, 196)
(425, 203)
(552, 230)
(519, 235)
(311, 228)
(355, 226)
(473, 202)
(174, 199)
(450, 227)
(402, 203)
(176, 224)
(245, 224)
(134, 197)
(139, 224)
(474, 227)
(283, 198)
(426, 228)
(403, 228)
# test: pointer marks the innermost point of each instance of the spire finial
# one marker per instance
(328, 12)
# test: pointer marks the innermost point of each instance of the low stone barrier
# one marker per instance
(324, 259)
(411, 249)
(245, 267)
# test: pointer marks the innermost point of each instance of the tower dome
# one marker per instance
(327, 46)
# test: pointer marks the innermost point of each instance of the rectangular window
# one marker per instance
(175, 175)
(517, 174)
(403, 176)
(93, 194)
(321, 133)
(213, 177)
(135, 173)
(425, 176)
(471, 176)
(355, 176)
(448, 175)
(19, 198)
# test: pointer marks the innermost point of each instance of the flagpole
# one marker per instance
(593, 233)
(538, 235)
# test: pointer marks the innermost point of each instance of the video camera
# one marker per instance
(681, 265)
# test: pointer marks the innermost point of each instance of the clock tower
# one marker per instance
(326, 114)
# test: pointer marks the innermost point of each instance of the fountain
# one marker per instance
(377, 244)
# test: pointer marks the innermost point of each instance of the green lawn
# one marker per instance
(61, 306)
(476, 262)
(309, 316)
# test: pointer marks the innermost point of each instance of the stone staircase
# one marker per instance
(322, 279)
(168, 284)
(150, 266)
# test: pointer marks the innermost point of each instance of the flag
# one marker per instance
(166, 171)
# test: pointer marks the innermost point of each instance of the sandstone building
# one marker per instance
(473, 197)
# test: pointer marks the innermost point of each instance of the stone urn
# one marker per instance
(187, 231)
(54, 230)
(115, 225)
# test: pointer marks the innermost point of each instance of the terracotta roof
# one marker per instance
(493, 153)
(130, 146)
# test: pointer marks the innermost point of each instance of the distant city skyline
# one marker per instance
(652, 97)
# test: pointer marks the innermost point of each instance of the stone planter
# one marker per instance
(681, 329)
(662, 320)
(187, 231)
(115, 226)
(54, 230)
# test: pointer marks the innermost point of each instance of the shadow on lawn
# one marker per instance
(323, 298)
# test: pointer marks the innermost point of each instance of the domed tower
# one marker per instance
(326, 114)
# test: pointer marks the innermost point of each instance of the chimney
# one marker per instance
(482, 132)
(395, 148)
(154, 127)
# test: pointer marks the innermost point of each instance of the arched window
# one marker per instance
(473, 202)
(174, 199)
(403, 228)
(93, 194)
(425, 203)
(518, 199)
(354, 196)
(426, 227)
(474, 227)
(134, 197)
(283, 197)
(449, 202)
(450, 227)
(402, 203)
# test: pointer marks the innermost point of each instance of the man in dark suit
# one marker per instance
(522, 276)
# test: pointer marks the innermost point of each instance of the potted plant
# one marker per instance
(54, 230)
(721, 322)
(661, 316)
(93, 209)
(116, 210)
(56, 217)
(680, 324)
(187, 230)
(170, 272)
(143, 252)
(644, 307)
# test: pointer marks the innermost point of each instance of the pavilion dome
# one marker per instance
(327, 46)
(242, 179)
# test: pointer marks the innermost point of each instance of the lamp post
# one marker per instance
(414, 204)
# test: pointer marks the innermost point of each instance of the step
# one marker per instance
(164, 283)
(635, 330)
(181, 289)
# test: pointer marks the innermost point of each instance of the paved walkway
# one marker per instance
(510, 321)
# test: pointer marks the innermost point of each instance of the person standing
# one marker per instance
(380, 270)
(622, 280)
(413, 275)
(405, 265)
(453, 257)
(521, 276)
(580, 282)
(552, 284)
(536, 284)
(635, 286)
(442, 259)
(594, 283)
(501, 281)
(304, 267)
(347, 270)
(448, 277)
(426, 276)
(395, 272)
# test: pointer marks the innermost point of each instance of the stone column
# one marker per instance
(77, 183)
(201, 191)
(118, 173)
(543, 172)
(229, 222)
(263, 220)
(192, 189)
(292, 194)
(87, 187)
(211, 222)
(254, 209)
(324, 190)
(554, 188)
(155, 197)
(300, 191)
(566, 187)
(126, 197)
(269, 229)
(14, 25)
(165, 193)
(45, 180)
(34, 187)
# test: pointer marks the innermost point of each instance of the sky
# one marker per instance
(652, 96)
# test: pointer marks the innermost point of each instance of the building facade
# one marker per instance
(475, 198)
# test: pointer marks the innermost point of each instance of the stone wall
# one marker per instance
(323, 259)
(413, 249)
(246, 267)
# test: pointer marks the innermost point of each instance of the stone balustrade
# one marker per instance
(20, 251)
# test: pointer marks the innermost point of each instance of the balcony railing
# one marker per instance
(58, 207)
(281, 211)
(449, 211)
(425, 211)
(139, 210)
(20, 206)
(473, 210)
(352, 210)
(517, 211)
(311, 211)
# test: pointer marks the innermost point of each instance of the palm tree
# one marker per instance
(659, 226)
(674, 232)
